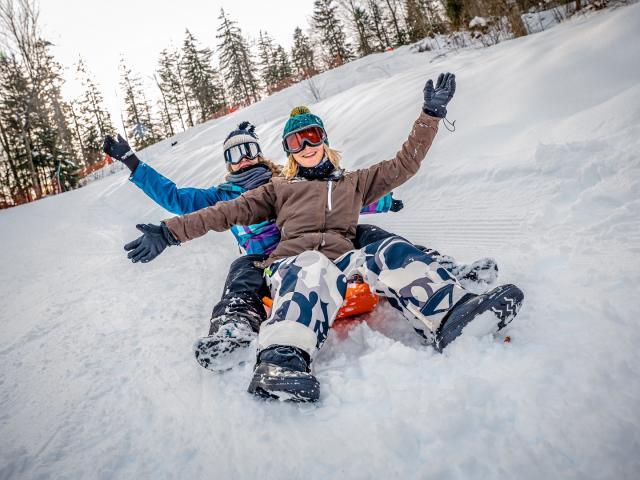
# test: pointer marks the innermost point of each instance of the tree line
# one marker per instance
(46, 141)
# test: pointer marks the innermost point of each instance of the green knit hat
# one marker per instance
(301, 118)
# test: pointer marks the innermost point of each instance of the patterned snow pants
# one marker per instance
(309, 289)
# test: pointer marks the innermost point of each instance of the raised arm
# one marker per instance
(166, 194)
(156, 186)
(383, 177)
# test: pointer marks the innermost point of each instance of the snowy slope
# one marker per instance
(97, 378)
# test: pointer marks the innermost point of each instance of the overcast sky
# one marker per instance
(102, 31)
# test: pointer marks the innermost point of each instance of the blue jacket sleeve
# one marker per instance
(165, 193)
(382, 205)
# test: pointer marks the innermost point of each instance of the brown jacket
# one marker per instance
(313, 214)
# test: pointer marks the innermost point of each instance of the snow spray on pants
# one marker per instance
(309, 289)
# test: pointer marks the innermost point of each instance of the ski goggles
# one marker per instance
(296, 141)
(235, 154)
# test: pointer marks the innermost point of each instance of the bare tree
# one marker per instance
(20, 35)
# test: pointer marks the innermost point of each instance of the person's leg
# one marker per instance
(411, 279)
(242, 295)
(475, 276)
(307, 292)
(427, 295)
(367, 234)
(236, 318)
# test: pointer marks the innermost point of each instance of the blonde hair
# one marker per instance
(274, 167)
(291, 168)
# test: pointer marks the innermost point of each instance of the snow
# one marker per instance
(478, 22)
(98, 378)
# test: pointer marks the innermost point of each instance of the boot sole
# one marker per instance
(274, 382)
(221, 355)
(504, 302)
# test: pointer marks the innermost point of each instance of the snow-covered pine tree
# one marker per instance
(334, 45)
(302, 55)
(201, 79)
(236, 62)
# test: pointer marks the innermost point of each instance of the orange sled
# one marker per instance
(359, 300)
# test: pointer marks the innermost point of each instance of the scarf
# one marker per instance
(322, 171)
(251, 177)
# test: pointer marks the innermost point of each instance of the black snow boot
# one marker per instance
(283, 373)
(504, 302)
(226, 345)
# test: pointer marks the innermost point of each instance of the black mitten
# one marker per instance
(154, 239)
(436, 99)
(396, 205)
(120, 150)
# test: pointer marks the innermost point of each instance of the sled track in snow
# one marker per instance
(468, 233)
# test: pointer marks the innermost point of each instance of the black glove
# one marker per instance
(435, 100)
(120, 150)
(154, 239)
(396, 205)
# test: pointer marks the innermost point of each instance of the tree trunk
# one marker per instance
(34, 176)
(164, 102)
(12, 166)
(80, 141)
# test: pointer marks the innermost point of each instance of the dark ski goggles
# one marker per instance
(235, 154)
(296, 141)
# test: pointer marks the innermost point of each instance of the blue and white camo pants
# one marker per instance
(309, 289)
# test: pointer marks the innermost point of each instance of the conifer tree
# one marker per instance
(171, 89)
(13, 98)
(416, 19)
(379, 25)
(283, 68)
(268, 61)
(394, 19)
(362, 27)
(201, 78)
(139, 120)
(34, 125)
(236, 62)
(302, 55)
(333, 39)
(91, 121)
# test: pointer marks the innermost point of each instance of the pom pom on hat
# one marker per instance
(248, 126)
(245, 133)
(299, 111)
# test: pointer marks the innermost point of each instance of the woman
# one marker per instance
(236, 318)
(307, 271)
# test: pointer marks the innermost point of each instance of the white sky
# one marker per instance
(103, 31)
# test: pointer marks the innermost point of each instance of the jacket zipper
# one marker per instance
(324, 224)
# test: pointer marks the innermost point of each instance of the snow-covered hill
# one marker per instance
(97, 378)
